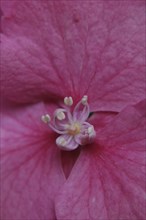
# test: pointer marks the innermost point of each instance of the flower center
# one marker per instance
(74, 129)
(72, 126)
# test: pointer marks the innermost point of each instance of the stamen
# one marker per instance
(60, 115)
(90, 129)
(68, 101)
(46, 118)
(84, 99)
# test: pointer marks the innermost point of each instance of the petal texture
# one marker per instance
(108, 180)
(31, 171)
(93, 48)
(27, 73)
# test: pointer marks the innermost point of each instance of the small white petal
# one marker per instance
(61, 141)
(66, 142)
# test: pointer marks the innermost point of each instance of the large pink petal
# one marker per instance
(96, 46)
(33, 56)
(27, 73)
(31, 172)
(108, 180)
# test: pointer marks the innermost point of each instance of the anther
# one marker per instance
(46, 118)
(84, 99)
(90, 130)
(60, 115)
(68, 101)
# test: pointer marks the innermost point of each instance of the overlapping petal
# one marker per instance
(108, 180)
(93, 48)
(31, 172)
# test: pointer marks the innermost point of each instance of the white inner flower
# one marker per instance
(72, 126)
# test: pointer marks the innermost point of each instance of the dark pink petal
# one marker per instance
(31, 172)
(93, 48)
(108, 179)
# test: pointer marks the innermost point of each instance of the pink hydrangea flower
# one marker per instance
(91, 54)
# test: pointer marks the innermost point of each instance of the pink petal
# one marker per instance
(31, 170)
(108, 179)
(27, 73)
(102, 119)
(93, 48)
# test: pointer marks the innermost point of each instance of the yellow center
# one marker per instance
(74, 129)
